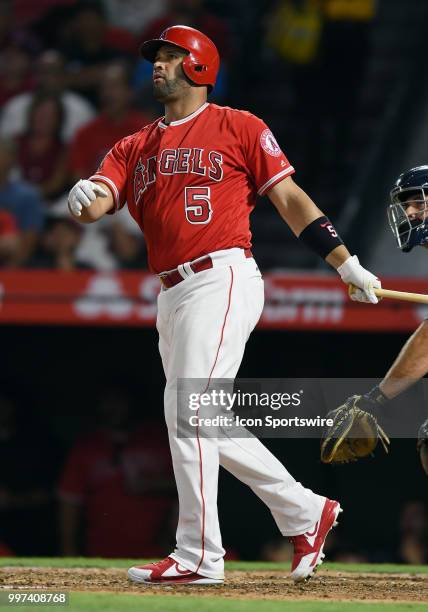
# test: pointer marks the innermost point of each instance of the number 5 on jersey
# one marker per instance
(197, 205)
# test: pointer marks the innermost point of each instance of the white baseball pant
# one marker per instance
(204, 323)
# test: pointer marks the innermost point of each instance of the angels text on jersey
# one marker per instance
(183, 160)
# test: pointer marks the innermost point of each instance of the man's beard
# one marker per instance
(166, 90)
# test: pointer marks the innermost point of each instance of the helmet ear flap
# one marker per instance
(189, 67)
(195, 70)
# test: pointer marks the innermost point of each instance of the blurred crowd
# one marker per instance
(72, 84)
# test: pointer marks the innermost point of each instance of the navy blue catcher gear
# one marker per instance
(410, 189)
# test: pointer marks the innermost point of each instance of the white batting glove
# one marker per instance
(82, 194)
(352, 272)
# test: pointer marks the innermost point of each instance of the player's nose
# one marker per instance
(157, 65)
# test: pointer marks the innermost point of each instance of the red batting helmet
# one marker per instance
(202, 61)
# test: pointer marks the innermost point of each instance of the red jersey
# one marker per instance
(191, 185)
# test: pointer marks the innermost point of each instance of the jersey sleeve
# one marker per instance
(112, 171)
(266, 163)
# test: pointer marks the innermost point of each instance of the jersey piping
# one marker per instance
(275, 179)
(197, 112)
(107, 181)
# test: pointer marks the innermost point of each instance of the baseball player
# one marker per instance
(408, 219)
(190, 180)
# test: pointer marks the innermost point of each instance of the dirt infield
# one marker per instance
(326, 585)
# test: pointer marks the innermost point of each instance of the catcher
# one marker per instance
(355, 432)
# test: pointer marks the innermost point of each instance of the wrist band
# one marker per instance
(376, 395)
(320, 236)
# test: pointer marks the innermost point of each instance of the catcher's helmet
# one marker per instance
(413, 185)
(202, 61)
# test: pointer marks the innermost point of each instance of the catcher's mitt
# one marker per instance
(354, 433)
(422, 445)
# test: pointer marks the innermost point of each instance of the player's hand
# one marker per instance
(355, 431)
(422, 445)
(82, 194)
(351, 272)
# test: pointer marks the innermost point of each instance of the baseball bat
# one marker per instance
(391, 294)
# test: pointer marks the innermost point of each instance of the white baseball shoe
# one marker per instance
(308, 547)
(168, 571)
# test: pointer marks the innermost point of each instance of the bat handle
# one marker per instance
(378, 292)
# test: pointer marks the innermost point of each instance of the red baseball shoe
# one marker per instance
(308, 547)
(168, 571)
